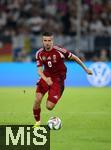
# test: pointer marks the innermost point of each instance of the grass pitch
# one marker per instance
(85, 115)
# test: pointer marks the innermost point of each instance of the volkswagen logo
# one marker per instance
(101, 74)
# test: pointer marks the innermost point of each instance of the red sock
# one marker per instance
(36, 113)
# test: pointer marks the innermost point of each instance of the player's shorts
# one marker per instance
(54, 91)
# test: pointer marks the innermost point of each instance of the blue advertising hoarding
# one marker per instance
(25, 74)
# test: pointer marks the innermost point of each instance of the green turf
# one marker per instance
(85, 114)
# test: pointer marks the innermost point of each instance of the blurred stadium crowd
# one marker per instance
(22, 22)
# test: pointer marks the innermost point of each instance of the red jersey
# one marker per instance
(53, 61)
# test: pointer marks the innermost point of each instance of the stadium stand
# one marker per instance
(22, 21)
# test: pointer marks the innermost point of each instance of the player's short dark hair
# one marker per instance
(47, 34)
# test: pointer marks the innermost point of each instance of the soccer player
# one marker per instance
(52, 71)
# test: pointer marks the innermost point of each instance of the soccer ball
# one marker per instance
(54, 123)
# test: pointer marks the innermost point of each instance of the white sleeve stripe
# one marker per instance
(40, 58)
(38, 52)
(62, 56)
(70, 54)
(60, 49)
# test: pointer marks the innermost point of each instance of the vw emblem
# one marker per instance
(101, 74)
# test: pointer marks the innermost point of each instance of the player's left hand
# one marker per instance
(89, 71)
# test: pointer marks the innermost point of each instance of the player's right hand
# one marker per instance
(49, 81)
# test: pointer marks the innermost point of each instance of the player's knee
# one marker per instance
(49, 107)
(37, 101)
(38, 97)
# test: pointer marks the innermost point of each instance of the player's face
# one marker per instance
(47, 42)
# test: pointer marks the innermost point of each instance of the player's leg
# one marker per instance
(55, 93)
(41, 89)
(36, 106)
(50, 105)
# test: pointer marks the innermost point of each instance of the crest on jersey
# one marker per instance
(43, 58)
(49, 58)
(54, 58)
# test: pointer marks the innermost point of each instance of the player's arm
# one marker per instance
(75, 58)
(42, 75)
